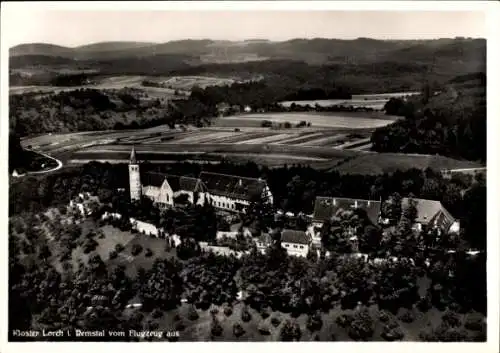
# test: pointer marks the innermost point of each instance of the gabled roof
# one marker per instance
(153, 179)
(295, 236)
(431, 212)
(327, 207)
(232, 186)
(265, 238)
(176, 182)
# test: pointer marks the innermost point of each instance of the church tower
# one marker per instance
(134, 177)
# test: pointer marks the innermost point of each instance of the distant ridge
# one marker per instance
(464, 54)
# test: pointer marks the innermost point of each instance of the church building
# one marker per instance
(224, 192)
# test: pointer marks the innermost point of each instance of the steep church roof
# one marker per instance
(327, 207)
(153, 179)
(232, 186)
(177, 183)
(133, 158)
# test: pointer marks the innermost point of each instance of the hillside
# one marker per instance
(315, 51)
(450, 123)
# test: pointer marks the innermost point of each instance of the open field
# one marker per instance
(335, 140)
(378, 163)
(331, 120)
(133, 263)
(167, 85)
(374, 101)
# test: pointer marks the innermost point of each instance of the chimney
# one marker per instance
(334, 202)
(240, 182)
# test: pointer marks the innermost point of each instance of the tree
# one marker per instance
(216, 328)
(391, 208)
(238, 330)
(245, 314)
(361, 328)
(136, 249)
(314, 322)
(290, 331)
(193, 314)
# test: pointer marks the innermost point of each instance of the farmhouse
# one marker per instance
(327, 207)
(234, 193)
(263, 242)
(295, 242)
(431, 214)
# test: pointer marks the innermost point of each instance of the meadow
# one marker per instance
(374, 101)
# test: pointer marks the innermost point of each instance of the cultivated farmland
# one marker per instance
(337, 140)
(349, 120)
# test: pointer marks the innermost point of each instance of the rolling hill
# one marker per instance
(314, 51)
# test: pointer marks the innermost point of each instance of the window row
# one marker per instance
(295, 246)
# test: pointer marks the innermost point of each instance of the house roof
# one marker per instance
(327, 207)
(176, 182)
(153, 179)
(431, 212)
(232, 186)
(265, 238)
(294, 236)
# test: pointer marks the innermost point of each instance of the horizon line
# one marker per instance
(148, 43)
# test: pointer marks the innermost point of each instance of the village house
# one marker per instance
(327, 207)
(263, 242)
(295, 242)
(432, 214)
(84, 204)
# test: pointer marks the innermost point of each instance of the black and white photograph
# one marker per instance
(247, 175)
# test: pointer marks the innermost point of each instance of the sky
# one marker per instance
(73, 28)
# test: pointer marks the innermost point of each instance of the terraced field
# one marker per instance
(342, 142)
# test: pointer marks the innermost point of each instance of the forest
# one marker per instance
(450, 123)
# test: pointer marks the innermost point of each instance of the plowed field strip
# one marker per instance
(323, 141)
(267, 139)
(299, 137)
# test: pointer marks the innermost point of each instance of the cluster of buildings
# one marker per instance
(233, 194)
(224, 192)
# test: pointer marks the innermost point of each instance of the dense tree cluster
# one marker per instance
(451, 123)
(81, 110)
(209, 279)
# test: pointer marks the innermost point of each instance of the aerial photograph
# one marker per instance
(250, 176)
